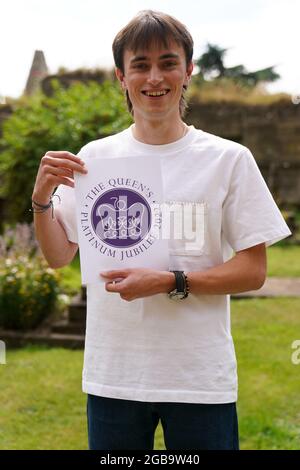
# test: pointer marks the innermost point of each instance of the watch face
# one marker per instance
(174, 295)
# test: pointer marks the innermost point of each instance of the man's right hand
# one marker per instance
(56, 167)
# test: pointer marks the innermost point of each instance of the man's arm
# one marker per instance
(245, 271)
(57, 249)
(55, 168)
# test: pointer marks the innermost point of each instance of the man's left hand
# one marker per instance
(138, 282)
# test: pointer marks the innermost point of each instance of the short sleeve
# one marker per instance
(65, 208)
(250, 215)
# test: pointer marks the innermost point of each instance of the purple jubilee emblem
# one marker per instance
(121, 217)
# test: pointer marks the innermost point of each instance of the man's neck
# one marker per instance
(158, 132)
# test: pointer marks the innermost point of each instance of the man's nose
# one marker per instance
(155, 76)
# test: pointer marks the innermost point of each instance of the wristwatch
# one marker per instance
(181, 290)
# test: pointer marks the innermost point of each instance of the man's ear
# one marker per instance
(121, 78)
(189, 71)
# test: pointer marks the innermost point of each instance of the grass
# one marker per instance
(40, 388)
(284, 261)
(226, 90)
(269, 404)
(43, 406)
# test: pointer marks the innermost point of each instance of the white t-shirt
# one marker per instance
(155, 349)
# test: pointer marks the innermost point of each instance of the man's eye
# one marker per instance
(140, 66)
(170, 64)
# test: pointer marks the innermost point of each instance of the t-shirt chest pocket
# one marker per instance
(188, 228)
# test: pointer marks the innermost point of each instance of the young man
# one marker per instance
(148, 358)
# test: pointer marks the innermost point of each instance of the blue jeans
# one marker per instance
(115, 424)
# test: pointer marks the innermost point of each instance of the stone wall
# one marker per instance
(272, 133)
(68, 78)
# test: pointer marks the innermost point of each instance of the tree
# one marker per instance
(211, 65)
(65, 121)
(211, 61)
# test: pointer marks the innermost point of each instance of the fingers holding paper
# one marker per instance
(137, 282)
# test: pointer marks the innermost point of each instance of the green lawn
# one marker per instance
(284, 261)
(40, 388)
(42, 406)
(269, 399)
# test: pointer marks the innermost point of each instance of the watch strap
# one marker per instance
(180, 281)
(181, 285)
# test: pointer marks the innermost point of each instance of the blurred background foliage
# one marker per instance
(29, 289)
(67, 120)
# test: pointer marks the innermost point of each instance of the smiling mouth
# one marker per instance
(155, 94)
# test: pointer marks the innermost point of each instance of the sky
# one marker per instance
(79, 33)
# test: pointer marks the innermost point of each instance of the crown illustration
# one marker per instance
(119, 221)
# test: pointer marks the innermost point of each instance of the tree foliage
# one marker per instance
(211, 65)
(65, 121)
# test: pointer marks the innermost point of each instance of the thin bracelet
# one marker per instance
(44, 207)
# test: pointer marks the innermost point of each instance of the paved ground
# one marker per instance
(276, 287)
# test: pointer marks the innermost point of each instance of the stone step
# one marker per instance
(66, 327)
(15, 339)
(77, 312)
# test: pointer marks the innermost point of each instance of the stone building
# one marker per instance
(38, 72)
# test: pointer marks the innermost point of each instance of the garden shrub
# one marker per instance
(29, 289)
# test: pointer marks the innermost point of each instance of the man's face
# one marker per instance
(154, 79)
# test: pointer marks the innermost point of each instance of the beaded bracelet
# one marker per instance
(187, 287)
(44, 207)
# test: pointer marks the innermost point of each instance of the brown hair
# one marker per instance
(150, 26)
